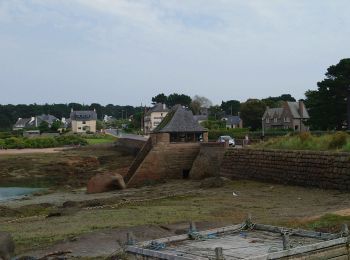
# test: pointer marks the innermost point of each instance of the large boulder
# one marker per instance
(7, 246)
(105, 182)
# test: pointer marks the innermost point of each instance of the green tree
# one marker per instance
(215, 113)
(329, 105)
(251, 113)
(182, 99)
(160, 98)
(44, 127)
(276, 101)
(56, 125)
(198, 103)
(231, 107)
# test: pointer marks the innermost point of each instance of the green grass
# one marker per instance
(104, 140)
(331, 142)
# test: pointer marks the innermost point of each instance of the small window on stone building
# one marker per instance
(267, 120)
(275, 120)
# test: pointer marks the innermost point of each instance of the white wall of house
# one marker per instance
(153, 120)
(84, 126)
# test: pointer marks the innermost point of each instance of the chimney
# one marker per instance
(71, 110)
(94, 109)
(301, 108)
(164, 106)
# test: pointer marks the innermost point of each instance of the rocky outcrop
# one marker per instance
(105, 182)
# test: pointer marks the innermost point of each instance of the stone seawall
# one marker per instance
(306, 168)
(208, 161)
(166, 161)
(130, 145)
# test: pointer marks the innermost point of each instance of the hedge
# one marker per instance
(41, 142)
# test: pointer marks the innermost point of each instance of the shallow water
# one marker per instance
(9, 193)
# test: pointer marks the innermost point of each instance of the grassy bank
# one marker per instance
(339, 141)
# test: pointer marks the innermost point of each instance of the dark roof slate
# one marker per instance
(83, 115)
(159, 107)
(179, 120)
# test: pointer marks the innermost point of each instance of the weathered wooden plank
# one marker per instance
(296, 232)
(156, 254)
(302, 249)
(185, 236)
(327, 253)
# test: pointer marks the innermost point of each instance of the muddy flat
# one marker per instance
(88, 225)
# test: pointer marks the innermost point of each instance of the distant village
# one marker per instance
(289, 115)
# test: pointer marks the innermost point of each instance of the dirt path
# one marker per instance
(31, 151)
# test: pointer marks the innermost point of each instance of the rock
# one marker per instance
(105, 182)
(7, 246)
(214, 182)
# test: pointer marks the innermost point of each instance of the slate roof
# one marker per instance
(22, 122)
(47, 118)
(271, 112)
(294, 108)
(232, 120)
(179, 120)
(83, 115)
(200, 117)
(159, 107)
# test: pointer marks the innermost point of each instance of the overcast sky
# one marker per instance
(126, 51)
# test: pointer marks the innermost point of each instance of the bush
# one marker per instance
(71, 140)
(305, 136)
(14, 143)
(338, 140)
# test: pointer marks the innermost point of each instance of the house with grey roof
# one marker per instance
(154, 116)
(34, 122)
(21, 123)
(233, 121)
(292, 115)
(83, 121)
(180, 126)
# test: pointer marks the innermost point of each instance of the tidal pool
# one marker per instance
(9, 193)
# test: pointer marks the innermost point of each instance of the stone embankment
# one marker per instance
(328, 170)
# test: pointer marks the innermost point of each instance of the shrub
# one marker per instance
(305, 136)
(338, 140)
(71, 140)
(14, 143)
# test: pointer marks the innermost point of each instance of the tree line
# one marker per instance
(328, 105)
(10, 113)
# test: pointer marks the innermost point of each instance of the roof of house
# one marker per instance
(232, 120)
(179, 120)
(294, 108)
(22, 122)
(159, 107)
(271, 112)
(200, 117)
(47, 118)
(83, 115)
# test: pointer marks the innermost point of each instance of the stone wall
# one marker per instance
(208, 161)
(129, 145)
(305, 168)
(166, 161)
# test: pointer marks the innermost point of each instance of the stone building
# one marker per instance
(292, 115)
(180, 126)
(154, 116)
(83, 121)
(170, 151)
